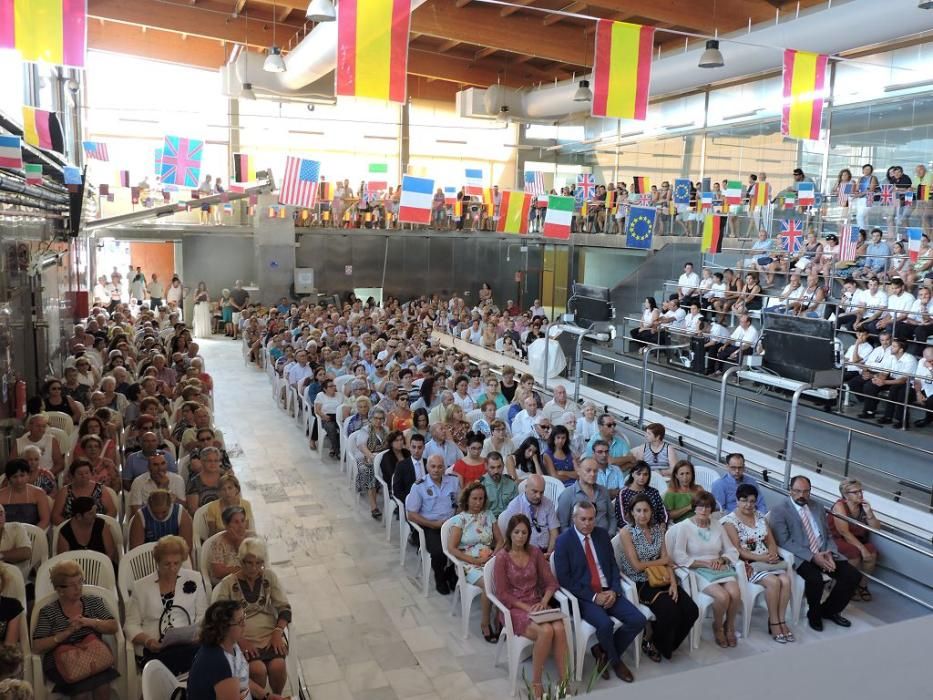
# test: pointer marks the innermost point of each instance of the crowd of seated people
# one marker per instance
(488, 481)
(130, 459)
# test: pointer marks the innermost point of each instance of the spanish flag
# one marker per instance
(513, 212)
(490, 201)
(804, 83)
(42, 129)
(244, 170)
(622, 69)
(714, 227)
(372, 48)
(762, 195)
(49, 31)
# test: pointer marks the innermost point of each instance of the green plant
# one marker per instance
(558, 690)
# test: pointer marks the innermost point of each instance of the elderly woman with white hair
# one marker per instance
(374, 440)
(268, 614)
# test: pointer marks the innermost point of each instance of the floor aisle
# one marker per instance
(362, 630)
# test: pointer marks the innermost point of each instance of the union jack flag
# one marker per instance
(534, 183)
(586, 187)
(887, 195)
(848, 242)
(299, 186)
(792, 235)
(95, 150)
(181, 161)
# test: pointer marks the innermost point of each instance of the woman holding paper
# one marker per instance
(163, 605)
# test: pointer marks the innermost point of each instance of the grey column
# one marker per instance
(274, 252)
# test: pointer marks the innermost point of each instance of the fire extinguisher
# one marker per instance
(19, 399)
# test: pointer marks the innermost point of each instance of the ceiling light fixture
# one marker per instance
(321, 11)
(274, 62)
(247, 93)
(712, 56)
(583, 93)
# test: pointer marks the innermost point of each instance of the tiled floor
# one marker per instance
(362, 630)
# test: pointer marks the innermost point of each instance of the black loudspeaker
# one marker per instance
(800, 348)
(590, 304)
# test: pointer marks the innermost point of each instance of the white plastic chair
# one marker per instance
(343, 431)
(115, 531)
(205, 557)
(466, 591)
(403, 530)
(798, 603)
(425, 558)
(62, 421)
(553, 488)
(116, 642)
(341, 382)
(705, 476)
(137, 564)
(703, 601)
(387, 502)
(473, 416)
(16, 588)
(631, 593)
(517, 646)
(658, 482)
(158, 681)
(97, 567)
(40, 548)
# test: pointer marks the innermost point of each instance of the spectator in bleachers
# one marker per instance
(471, 467)
(678, 498)
(852, 538)
(619, 450)
(559, 404)
(484, 423)
(457, 426)
(637, 483)
(586, 489)
(643, 547)
(918, 325)
(558, 458)
(688, 286)
(85, 531)
(149, 617)
(498, 440)
(742, 342)
(749, 533)
(541, 512)
(395, 454)
(658, 454)
(432, 501)
(648, 329)
(923, 388)
(875, 261)
(72, 618)
(493, 393)
(326, 405)
(82, 484)
(787, 300)
(760, 256)
(724, 303)
(588, 425)
(671, 320)
(437, 413)
(856, 356)
(896, 312)
(15, 549)
(421, 425)
(525, 459)
(895, 378)
(161, 515)
(102, 469)
(724, 488)
(608, 475)
(24, 503)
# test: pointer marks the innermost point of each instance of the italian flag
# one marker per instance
(734, 192)
(558, 217)
(513, 212)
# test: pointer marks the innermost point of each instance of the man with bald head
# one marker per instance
(540, 512)
(137, 463)
(431, 501)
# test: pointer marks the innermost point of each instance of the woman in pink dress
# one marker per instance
(525, 584)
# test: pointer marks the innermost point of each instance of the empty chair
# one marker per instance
(40, 549)
(158, 682)
(61, 421)
(136, 564)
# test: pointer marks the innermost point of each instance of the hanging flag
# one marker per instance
(558, 217)
(124, 178)
(804, 81)
(806, 194)
(706, 201)
(33, 174)
(11, 152)
(181, 161)
(415, 203)
(47, 31)
(586, 187)
(844, 193)
(923, 193)
(299, 185)
(682, 191)
(761, 196)
(157, 160)
(733, 193)
(378, 168)
(374, 186)
(610, 200)
(43, 130)
(513, 212)
(792, 235)
(134, 195)
(96, 150)
(909, 198)
(848, 242)
(887, 195)
(489, 200)
(790, 200)
(473, 184)
(641, 185)
(914, 237)
(622, 70)
(103, 189)
(72, 177)
(639, 227)
(450, 196)
(324, 190)
(714, 230)
(244, 170)
(372, 48)
(534, 183)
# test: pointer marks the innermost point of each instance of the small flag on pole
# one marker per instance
(923, 193)
(513, 212)
(714, 229)
(790, 200)
(42, 129)
(845, 193)
(299, 186)
(473, 183)
(33, 174)
(586, 187)
(534, 183)
(622, 70)
(682, 191)
(134, 195)
(181, 161)
(914, 238)
(762, 195)
(792, 235)
(641, 185)
(372, 48)
(11, 152)
(244, 170)
(887, 195)
(639, 227)
(558, 217)
(415, 202)
(380, 168)
(103, 189)
(706, 201)
(96, 150)
(848, 242)
(806, 194)
(450, 196)
(733, 193)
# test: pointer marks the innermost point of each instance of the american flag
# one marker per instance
(586, 186)
(791, 235)
(845, 191)
(299, 186)
(534, 183)
(95, 150)
(887, 195)
(848, 242)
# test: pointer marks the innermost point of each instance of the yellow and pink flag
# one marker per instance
(804, 87)
(372, 48)
(50, 31)
(622, 69)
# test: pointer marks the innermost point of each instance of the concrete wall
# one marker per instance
(219, 260)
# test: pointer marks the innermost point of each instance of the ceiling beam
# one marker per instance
(682, 13)
(155, 44)
(572, 7)
(283, 14)
(482, 24)
(429, 64)
(506, 11)
(238, 6)
(483, 53)
(448, 45)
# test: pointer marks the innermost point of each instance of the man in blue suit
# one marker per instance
(587, 568)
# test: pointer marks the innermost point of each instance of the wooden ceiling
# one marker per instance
(454, 43)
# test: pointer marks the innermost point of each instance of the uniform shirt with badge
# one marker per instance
(433, 501)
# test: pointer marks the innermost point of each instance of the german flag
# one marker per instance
(923, 193)
(641, 185)
(43, 130)
(513, 212)
(622, 70)
(244, 170)
(714, 228)
(611, 201)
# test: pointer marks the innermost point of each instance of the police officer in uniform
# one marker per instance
(431, 501)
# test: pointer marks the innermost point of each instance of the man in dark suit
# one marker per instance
(586, 567)
(799, 526)
(408, 471)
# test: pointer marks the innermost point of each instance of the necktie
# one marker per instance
(591, 563)
(808, 528)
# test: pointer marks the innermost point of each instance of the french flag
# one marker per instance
(415, 204)
(914, 239)
(450, 196)
(473, 185)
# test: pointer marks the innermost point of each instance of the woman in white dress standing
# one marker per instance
(202, 312)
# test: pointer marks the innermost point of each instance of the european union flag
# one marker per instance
(682, 191)
(640, 227)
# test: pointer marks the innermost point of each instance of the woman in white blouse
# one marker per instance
(172, 597)
(701, 544)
